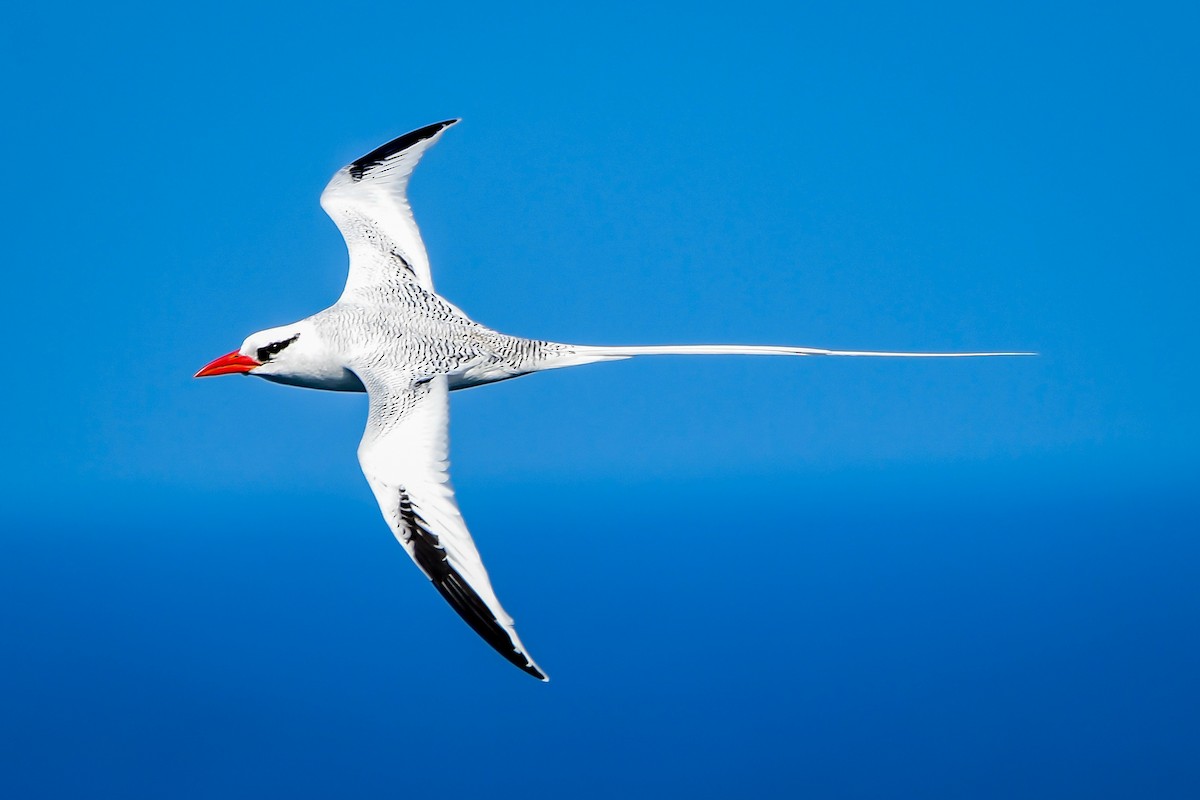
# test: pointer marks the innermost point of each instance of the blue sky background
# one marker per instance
(746, 577)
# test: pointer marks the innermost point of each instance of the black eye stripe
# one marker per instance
(265, 353)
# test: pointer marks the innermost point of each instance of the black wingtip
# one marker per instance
(430, 556)
(470, 606)
(397, 145)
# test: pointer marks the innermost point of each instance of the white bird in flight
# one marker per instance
(391, 335)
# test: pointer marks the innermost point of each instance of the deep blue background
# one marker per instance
(746, 577)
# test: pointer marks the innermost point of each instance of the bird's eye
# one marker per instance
(265, 353)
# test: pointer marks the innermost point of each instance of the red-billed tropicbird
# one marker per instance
(391, 335)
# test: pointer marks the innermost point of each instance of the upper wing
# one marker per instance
(367, 201)
(404, 456)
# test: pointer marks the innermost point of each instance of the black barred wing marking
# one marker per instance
(401, 144)
(404, 455)
(426, 550)
(368, 201)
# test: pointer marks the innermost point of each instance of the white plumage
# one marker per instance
(391, 335)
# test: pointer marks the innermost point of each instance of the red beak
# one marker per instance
(228, 364)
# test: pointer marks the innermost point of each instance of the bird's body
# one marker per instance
(417, 330)
(391, 335)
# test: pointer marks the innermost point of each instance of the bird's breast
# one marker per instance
(333, 380)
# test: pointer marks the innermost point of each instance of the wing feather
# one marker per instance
(368, 202)
(404, 455)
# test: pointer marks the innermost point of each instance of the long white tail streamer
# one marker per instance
(761, 350)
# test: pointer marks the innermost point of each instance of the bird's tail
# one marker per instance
(586, 354)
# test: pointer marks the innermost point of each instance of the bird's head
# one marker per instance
(294, 354)
(276, 353)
